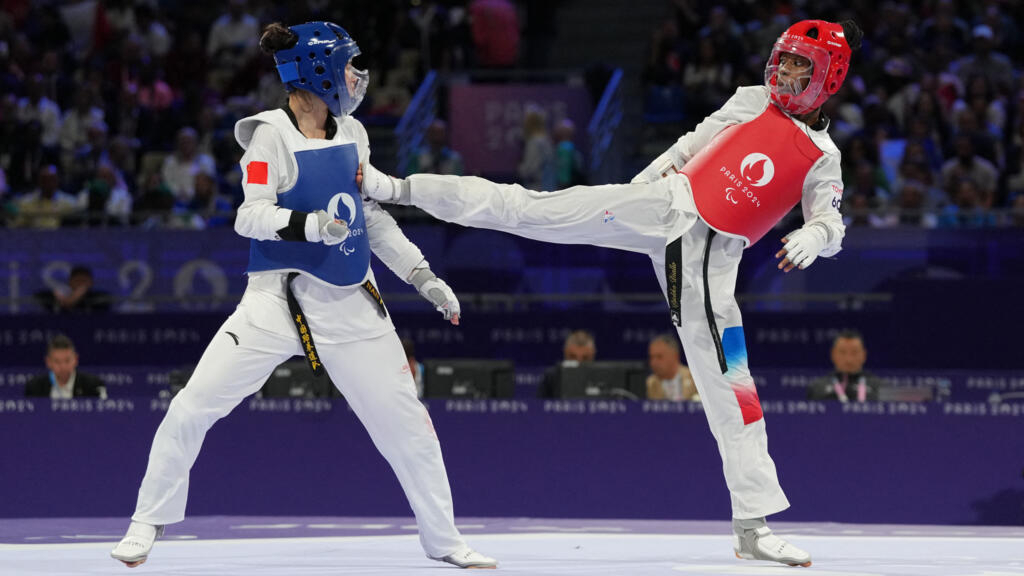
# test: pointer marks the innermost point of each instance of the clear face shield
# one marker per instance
(351, 82)
(795, 74)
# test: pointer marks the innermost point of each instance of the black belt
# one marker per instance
(306, 335)
(708, 311)
(673, 285)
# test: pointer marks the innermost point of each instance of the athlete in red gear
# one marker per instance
(717, 190)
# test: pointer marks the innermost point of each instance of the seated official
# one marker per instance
(670, 379)
(579, 347)
(62, 379)
(848, 382)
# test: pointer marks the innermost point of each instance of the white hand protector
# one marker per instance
(381, 187)
(804, 246)
(332, 231)
(437, 292)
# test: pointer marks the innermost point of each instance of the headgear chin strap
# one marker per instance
(317, 64)
(824, 44)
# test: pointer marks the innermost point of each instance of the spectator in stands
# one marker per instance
(208, 207)
(970, 208)
(63, 380)
(105, 198)
(1017, 211)
(917, 198)
(229, 46)
(88, 157)
(78, 296)
(36, 106)
(495, 27)
(1015, 160)
(968, 165)
(708, 79)
(671, 380)
(989, 108)
(994, 66)
(568, 159)
(579, 347)
(74, 127)
(156, 202)
(154, 34)
(537, 168)
(180, 168)
(28, 157)
(44, 207)
(436, 157)
(944, 29)
(415, 367)
(665, 60)
(848, 381)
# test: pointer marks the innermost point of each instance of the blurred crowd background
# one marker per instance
(120, 112)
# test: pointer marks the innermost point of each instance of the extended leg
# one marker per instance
(633, 217)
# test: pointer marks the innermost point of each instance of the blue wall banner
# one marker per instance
(953, 463)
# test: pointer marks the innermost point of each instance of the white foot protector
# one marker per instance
(134, 548)
(761, 544)
(468, 558)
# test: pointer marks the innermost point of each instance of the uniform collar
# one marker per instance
(330, 125)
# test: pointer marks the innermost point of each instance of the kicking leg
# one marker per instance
(635, 217)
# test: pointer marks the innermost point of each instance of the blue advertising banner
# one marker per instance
(954, 463)
(949, 298)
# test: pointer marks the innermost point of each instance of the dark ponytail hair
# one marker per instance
(277, 36)
(853, 34)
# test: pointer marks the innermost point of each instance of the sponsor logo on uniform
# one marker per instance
(740, 190)
(756, 170)
(343, 207)
(608, 216)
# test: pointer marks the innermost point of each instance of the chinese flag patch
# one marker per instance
(257, 173)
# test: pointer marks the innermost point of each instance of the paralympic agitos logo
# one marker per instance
(756, 170)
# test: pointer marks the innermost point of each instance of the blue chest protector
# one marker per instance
(326, 181)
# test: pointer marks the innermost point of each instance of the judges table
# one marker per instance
(949, 463)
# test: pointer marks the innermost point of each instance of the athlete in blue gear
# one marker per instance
(311, 292)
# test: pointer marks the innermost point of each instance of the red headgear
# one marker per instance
(824, 44)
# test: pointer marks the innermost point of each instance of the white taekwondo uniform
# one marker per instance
(354, 337)
(725, 185)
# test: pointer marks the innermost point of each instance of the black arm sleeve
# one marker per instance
(295, 231)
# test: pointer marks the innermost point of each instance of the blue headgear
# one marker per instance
(317, 63)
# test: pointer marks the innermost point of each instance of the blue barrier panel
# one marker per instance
(954, 463)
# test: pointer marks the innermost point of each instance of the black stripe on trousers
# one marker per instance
(708, 311)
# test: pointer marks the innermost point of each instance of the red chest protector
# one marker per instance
(751, 175)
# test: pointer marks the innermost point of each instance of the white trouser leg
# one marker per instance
(730, 399)
(374, 377)
(634, 217)
(226, 374)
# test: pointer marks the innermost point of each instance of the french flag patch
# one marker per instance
(257, 173)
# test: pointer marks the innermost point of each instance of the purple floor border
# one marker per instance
(66, 530)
